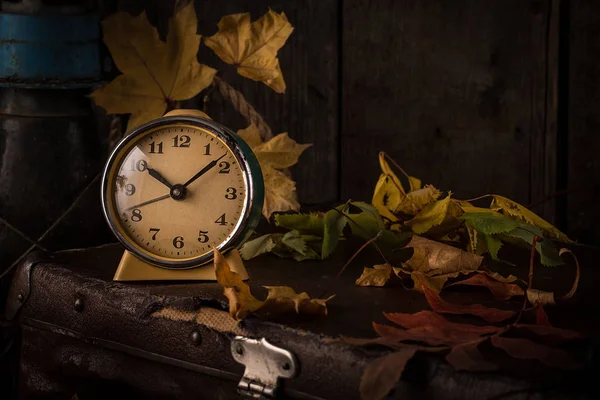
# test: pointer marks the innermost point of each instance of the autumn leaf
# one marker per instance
(334, 223)
(436, 262)
(291, 244)
(466, 357)
(501, 290)
(277, 153)
(390, 197)
(252, 47)
(312, 224)
(431, 215)
(525, 349)
(376, 276)
(280, 300)
(241, 301)
(521, 213)
(496, 228)
(440, 305)
(381, 375)
(154, 73)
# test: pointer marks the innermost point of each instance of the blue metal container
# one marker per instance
(49, 49)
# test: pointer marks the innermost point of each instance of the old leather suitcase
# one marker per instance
(80, 332)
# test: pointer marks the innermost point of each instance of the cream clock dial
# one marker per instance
(178, 187)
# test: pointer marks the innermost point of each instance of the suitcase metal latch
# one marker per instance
(265, 364)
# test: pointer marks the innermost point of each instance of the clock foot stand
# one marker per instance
(132, 268)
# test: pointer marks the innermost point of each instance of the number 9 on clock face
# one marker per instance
(178, 187)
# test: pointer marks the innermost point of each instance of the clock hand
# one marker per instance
(156, 175)
(203, 170)
(166, 196)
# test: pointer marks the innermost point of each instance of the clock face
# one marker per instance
(175, 192)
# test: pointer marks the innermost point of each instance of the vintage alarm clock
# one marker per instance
(176, 188)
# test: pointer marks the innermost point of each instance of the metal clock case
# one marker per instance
(176, 176)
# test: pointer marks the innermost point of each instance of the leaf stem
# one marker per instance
(531, 260)
(328, 289)
(390, 159)
(478, 198)
(366, 232)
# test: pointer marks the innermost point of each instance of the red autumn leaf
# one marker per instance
(548, 334)
(466, 357)
(381, 375)
(427, 317)
(442, 306)
(500, 290)
(541, 318)
(428, 334)
(525, 349)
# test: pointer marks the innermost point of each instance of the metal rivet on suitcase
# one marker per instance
(20, 297)
(196, 338)
(78, 305)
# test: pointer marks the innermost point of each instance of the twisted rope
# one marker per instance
(242, 106)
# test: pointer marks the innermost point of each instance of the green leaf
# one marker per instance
(261, 245)
(489, 224)
(493, 246)
(298, 247)
(548, 254)
(310, 224)
(335, 221)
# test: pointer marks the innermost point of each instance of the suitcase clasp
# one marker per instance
(264, 363)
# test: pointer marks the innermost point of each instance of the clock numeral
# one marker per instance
(203, 237)
(178, 242)
(136, 215)
(207, 150)
(224, 165)
(140, 165)
(155, 230)
(129, 189)
(181, 141)
(231, 193)
(154, 147)
(221, 220)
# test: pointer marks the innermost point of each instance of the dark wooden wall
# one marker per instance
(495, 96)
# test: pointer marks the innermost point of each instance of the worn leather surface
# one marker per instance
(82, 331)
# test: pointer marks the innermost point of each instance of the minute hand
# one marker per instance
(203, 170)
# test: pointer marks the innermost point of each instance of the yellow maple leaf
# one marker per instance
(280, 300)
(517, 211)
(277, 153)
(154, 73)
(252, 47)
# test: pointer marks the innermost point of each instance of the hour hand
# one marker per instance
(156, 175)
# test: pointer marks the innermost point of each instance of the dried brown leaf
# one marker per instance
(434, 258)
(427, 317)
(376, 276)
(548, 334)
(500, 290)
(381, 375)
(442, 306)
(466, 357)
(525, 349)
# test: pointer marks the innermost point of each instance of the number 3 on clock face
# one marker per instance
(178, 187)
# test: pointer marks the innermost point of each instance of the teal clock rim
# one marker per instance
(246, 159)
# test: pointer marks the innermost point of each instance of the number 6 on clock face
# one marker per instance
(178, 187)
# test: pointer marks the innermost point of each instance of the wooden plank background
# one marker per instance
(471, 96)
